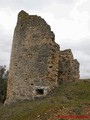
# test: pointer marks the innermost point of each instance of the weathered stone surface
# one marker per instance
(34, 58)
(37, 65)
(68, 67)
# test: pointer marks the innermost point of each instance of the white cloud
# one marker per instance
(8, 19)
(5, 46)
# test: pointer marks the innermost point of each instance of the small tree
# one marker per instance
(3, 82)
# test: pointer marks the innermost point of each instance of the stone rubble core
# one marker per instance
(37, 65)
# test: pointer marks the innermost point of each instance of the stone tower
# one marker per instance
(37, 64)
(34, 59)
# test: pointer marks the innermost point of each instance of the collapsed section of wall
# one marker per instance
(68, 67)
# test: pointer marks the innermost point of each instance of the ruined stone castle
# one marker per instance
(37, 64)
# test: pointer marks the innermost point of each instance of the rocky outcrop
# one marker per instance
(37, 65)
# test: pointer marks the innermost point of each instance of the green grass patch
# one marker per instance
(74, 95)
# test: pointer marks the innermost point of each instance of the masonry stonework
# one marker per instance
(68, 67)
(37, 65)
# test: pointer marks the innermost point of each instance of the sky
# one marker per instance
(69, 20)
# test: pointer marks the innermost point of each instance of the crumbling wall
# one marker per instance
(37, 65)
(34, 59)
(68, 67)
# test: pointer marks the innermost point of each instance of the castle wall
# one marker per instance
(68, 67)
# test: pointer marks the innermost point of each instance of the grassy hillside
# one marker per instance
(71, 99)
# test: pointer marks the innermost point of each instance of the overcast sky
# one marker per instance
(69, 19)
